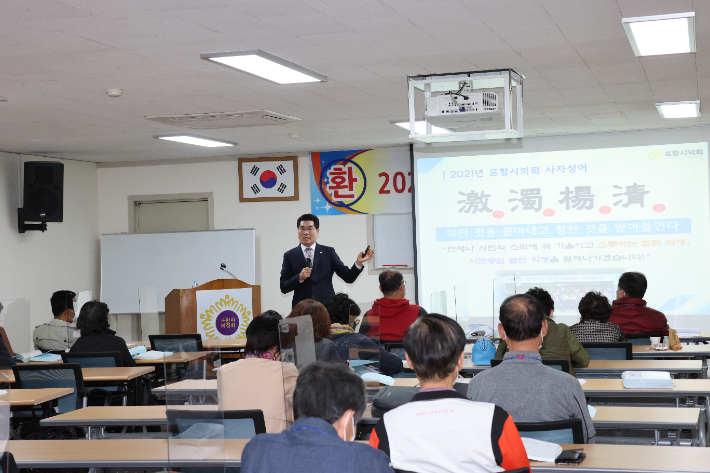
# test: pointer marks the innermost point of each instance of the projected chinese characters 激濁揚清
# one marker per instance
(577, 218)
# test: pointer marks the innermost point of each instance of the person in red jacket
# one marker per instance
(391, 316)
(629, 310)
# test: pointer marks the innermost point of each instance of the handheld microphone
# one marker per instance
(223, 267)
(309, 263)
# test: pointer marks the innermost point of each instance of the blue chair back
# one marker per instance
(609, 351)
(641, 338)
(558, 431)
(107, 359)
(558, 364)
(176, 343)
(55, 375)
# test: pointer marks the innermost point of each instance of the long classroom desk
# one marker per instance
(675, 367)
(33, 397)
(175, 358)
(698, 352)
(126, 453)
(684, 388)
(153, 453)
(632, 459)
(95, 375)
(610, 417)
(189, 388)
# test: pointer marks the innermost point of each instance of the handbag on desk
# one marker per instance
(483, 352)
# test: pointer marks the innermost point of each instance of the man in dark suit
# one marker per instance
(315, 281)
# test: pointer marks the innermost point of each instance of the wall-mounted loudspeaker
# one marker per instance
(43, 195)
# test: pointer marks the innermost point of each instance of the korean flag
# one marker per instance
(267, 179)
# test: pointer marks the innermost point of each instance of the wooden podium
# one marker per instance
(181, 304)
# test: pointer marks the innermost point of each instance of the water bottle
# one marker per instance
(665, 340)
(194, 283)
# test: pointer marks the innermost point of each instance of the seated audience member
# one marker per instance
(5, 356)
(560, 342)
(344, 337)
(96, 336)
(521, 384)
(595, 326)
(58, 333)
(325, 350)
(629, 310)
(328, 402)
(440, 430)
(260, 381)
(393, 312)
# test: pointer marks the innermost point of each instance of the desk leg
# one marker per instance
(701, 431)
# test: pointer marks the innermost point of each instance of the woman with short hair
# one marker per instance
(96, 336)
(325, 350)
(595, 326)
(261, 380)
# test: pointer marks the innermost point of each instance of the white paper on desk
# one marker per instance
(380, 378)
(647, 380)
(592, 411)
(540, 450)
(581, 381)
(152, 355)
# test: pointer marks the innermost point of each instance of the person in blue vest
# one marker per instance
(308, 269)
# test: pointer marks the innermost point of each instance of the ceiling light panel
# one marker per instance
(195, 140)
(257, 63)
(661, 34)
(679, 109)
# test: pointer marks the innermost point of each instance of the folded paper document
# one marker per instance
(380, 378)
(540, 450)
(647, 379)
(38, 356)
(152, 355)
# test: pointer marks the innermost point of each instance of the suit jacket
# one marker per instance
(320, 285)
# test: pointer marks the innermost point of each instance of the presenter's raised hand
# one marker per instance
(305, 274)
(368, 256)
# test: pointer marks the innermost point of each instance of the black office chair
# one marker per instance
(187, 342)
(108, 359)
(54, 375)
(641, 338)
(189, 424)
(558, 364)
(558, 431)
(7, 463)
(214, 425)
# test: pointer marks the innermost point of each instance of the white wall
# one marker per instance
(66, 256)
(275, 223)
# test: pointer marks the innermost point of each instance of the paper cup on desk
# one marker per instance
(655, 341)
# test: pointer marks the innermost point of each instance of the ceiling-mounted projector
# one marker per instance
(464, 109)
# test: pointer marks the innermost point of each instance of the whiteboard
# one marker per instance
(393, 240)
(171, 261)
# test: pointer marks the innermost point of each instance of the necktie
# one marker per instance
(309, 254)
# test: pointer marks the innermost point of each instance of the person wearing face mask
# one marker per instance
(521, 384)
(59, 333)
(560, 342)
(328, 402)
(440, 430)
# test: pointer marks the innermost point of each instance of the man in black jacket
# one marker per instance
(308, 269)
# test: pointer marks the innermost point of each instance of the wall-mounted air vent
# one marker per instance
(225, 119)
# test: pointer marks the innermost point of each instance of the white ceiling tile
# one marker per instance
(632, 8)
